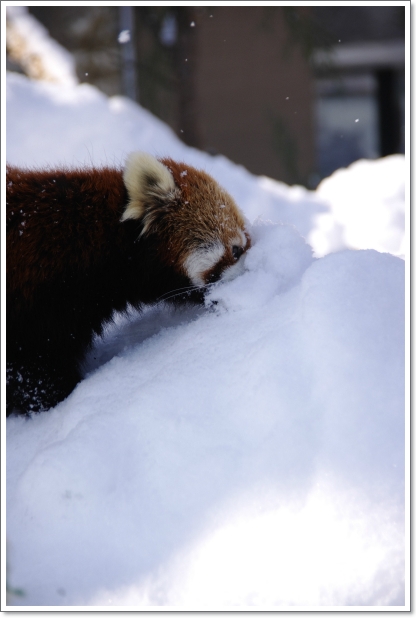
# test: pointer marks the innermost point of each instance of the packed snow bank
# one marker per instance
(49, 125)
(366, 208)
(249, 453)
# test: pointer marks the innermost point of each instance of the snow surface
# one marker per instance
(249, 453)
(38, 52)
(366, 208)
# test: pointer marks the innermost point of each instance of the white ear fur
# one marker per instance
(145, 177)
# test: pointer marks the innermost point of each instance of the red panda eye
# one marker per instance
(237, 251)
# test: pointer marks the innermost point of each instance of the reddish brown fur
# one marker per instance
(71, 262)
(44, 242)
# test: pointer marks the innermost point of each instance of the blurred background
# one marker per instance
(293, 93)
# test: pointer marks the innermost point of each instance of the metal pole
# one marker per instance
(126, 40)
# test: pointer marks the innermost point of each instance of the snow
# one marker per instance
(41, 55)
(124, 37)
(245, 454)
(364, 191)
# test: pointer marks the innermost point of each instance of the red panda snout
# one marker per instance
(202, 232)
(217, 262)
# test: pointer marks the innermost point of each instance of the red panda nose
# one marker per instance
(237, 252)
(214, 276)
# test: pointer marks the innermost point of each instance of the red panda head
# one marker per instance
(201, 232)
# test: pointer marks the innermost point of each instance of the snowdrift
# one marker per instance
(246, 454)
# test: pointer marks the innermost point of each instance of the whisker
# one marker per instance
(177, 292)
(180, 291)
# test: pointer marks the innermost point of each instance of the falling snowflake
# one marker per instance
(124, 37)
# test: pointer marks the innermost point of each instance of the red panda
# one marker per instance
(84, 243)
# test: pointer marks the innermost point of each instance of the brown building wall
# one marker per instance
(246, 90)
(236, 82)
(254, 92)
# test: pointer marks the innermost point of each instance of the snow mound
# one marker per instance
(366, 208)
(250, 454)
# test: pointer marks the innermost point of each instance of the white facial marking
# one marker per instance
(235, 270)
(240, 240)
(201, 260)
(238, 268)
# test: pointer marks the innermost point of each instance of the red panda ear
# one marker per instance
(146, 179)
